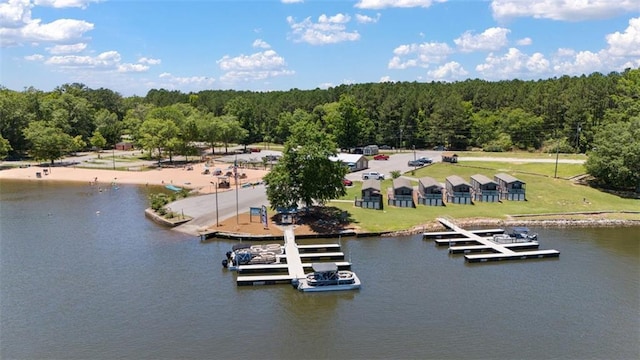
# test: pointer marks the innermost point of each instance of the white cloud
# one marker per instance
(385, 79)
(627, 43)
(177, 80)
(328, 30)
(583, 62)
(126, 68)
(364, 19)
(268, 59)
(490, 40)
(381, 4)
(17, 26)
(67, 49)
(566, 10)
(106, 60)
(623, 51)
(524, 41)
(259, 43)
(513, 64)
(149, 61)
(291, 1)
(257, 66)
(449, 71)
(34, 57)
(412, 55)
(65, 3)
(14, 13)
(325, 85)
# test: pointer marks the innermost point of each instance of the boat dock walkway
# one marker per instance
(291, 262)
(497, 251)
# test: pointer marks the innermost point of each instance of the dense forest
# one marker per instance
(596, 114)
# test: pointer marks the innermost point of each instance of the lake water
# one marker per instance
(84, 275)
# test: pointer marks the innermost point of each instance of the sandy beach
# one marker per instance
(180, 177)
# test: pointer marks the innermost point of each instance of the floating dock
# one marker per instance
(283, 267)
(488, 249)
(290, 264)
(457, 235)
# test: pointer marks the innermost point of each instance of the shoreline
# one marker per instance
(202, 184)
(193, 180)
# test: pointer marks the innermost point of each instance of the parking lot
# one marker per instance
(397, 161)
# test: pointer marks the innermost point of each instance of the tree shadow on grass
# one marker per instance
(326, 219)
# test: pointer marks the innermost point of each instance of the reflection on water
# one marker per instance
(80, 284)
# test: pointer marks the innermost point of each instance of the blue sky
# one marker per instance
(262, 45)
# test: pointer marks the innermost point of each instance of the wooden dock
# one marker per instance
(457, 235)
(496, 251)
(484, 248)
(283, 267)
(290, 264)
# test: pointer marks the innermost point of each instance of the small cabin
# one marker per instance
(458, 190)
(370, 150)
(484, 189)
(429, 192)
(401, 195)
(371, 195)
(124, 145)
(510, 188)
(449, 157)
(355, 162)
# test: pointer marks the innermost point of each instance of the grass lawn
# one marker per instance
(545, 195)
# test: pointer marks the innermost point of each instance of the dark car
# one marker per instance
(414, 163)
(425, 160)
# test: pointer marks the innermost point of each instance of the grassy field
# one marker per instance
(545, 195)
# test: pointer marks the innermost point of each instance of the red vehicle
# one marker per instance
(381, 157)
(347, 182)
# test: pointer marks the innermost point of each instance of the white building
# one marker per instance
(355, 162)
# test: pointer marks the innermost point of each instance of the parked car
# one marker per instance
(347, 182)
(372, 175)
(381, 157)
(425, 160)
(415, 163)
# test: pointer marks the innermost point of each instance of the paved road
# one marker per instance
(204, 210)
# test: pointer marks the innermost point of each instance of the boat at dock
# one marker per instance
(247, 254)
(509, 239)
(327, 277)
(522, 233)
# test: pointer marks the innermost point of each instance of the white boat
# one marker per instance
(516, 235)
(327, 277)
(247, 254)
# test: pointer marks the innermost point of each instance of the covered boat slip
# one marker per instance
(498, 251)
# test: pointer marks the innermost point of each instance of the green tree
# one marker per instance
(305, 173)
(108, 125)
(98, 141)
(347, 130)
(231, 131)
(209, 130)
(157, 134)
(47, 142)
(523, 128)
(5, 147)
(615, 158)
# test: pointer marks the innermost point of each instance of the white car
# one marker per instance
(372, 175)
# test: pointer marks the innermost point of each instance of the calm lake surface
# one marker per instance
(78, 284)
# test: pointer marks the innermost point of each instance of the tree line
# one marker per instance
(566, 114)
